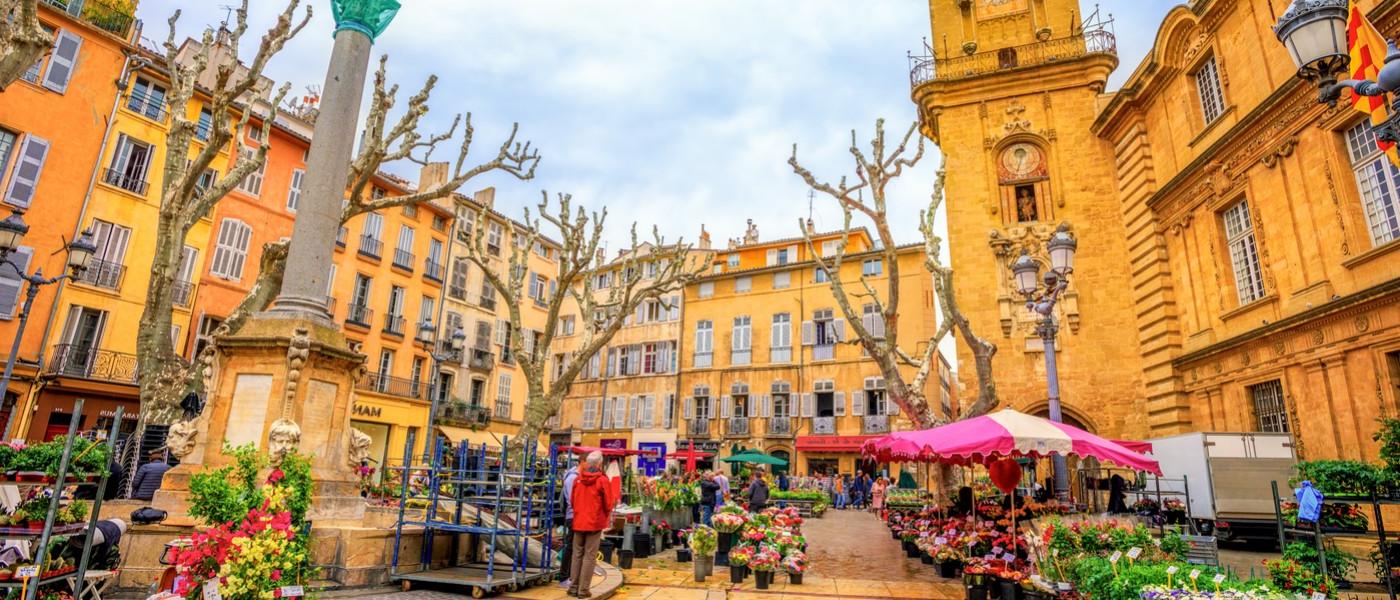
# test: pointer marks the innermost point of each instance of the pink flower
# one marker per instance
(275, 476)
(277, 574)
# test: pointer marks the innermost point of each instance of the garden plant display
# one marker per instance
(1347, 517)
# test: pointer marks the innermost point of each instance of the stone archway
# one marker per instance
(1069, 415)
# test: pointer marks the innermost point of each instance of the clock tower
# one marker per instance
(1009, 90)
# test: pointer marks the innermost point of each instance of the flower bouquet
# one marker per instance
(763, 563)
(726, 522)
(795, 563)
(703, 541)
(739, 559)
(1146, 506)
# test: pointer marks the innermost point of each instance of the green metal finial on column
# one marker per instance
(370, 17)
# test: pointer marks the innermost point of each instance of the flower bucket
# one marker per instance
(1010, 590)
(607, 549)
(699, 572)
(911, 550)
(795, 578)
(736, 574)
(948, 569)
(976, 592)
(707, 563)
(624, 559)
(925, 558)
(682, 555)
(761, 579)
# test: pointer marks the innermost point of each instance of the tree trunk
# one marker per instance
(23, 41)
(160, 368)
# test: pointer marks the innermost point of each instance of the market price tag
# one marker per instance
(1318, 596)
(1134, 552)
(1219, 578)
(941, 541)
(1115, 557)
(1063, 585)
(211, 590)
(1054, 553)
(30, 571)
(292, 591)
(1172, 570)
(1194, 574)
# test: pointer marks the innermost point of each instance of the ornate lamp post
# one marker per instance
(427, 338)
(1027, 273)
(80, 252)
(1315, 34)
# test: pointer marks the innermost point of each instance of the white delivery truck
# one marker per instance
(1228, 476)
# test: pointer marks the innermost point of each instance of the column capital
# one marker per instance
(370, 17)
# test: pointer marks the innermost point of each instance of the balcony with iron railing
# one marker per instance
(92, 363)
(147, 105)
(481, 360)
(1093, 39)
(433, 270)
(737, 427)
(182, 292)
(358, 314)
(395, 324)
(698, 428)
(129, 182)
(824, 425)
(448, 353)
(875, 424)
(403, 259)
(781, 426)
(488, 299)
(108, 15)
(103, 274)
(393, 386)
(462, 413)
(371, 247)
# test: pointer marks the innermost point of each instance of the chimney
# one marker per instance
(432, 175)
(599, 257)
(486, 198)
(751, 234)
(704, 238)
(811, 228)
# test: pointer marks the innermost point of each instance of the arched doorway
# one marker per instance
(785, 455)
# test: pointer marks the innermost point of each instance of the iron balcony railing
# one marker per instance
(452, 355)
(130, 183)
(434, 270)
(395, 324)
(462, 413)
(737, 427)
(371, 246)
(875, 424)
(393, 386)
(108, 15)
(488, 298)
(781, 426)
(698, 428)
(92, 363)
(459, 293)
(502, 409)
(103, 274)
(358, 314)
(403, 259)
(182, 292)
(481, 360)
(146, 105)
(927, 67)
(824, 425)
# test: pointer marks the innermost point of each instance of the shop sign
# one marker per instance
(711, 447)
(652, 464)
(832, 443)
(613, 444)
(360, 410)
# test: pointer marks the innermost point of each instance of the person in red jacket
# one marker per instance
(593, 503)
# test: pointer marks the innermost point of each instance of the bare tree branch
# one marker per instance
(23, 40)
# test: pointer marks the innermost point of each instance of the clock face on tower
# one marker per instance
(1022, 161)
(995, 8)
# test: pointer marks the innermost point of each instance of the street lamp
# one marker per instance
(1042, 299)
(1315, 34)
(80, 251)
(427, 338)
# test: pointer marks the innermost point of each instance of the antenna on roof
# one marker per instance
(228, 12)
(811, 195)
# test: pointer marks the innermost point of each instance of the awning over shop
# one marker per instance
(832, 443)
(476, 437)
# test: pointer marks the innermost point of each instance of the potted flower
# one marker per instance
(683, 552)
(702, 545)
(1146, 507)
(1009, 581)
(949, 560)
(796, 564)
(1174, 510)
(764, 561)
(975, 580)
(739, 558)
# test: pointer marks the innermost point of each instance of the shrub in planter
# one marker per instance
(1340, 565)
(1340, 477)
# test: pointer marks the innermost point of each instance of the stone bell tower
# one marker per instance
(1009, 89)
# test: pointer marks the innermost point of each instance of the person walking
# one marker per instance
(592, 501)
(839, 485)
(570, 478)
(877, 495)
(758, 492)
(708, 490)
(723, 495)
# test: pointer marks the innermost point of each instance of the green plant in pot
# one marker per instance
(703, 542)
(1389, 437)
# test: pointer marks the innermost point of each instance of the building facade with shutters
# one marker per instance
(768, 362)
(1263, 232)
(54, 125)
(627, 394)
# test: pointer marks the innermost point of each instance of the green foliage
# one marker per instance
(1389, 437)
(296, 472)
(1339, 564)
(1340, 477)
(1293, 576)
(41, 457)
(1095, 578)
(226, 494)
(7, 456)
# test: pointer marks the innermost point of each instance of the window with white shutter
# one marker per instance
(633, 412)
(782, 280)
(252, 184)
(62, 61)
(840, 404)
(231, 249)
(25, 176)
(294, 190)
(858, 403)
(590, 413)
(619, 412)
(11, 286)
(707, 289)
(704, 343)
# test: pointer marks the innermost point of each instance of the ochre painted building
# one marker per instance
(54, 123)
(1010, 90)
(1264, 237)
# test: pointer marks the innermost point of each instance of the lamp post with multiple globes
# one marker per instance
(427, 338)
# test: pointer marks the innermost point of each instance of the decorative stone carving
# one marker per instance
(1016, 118)
(1336, 206)
(969, 48)
(285, 435)
(1245, 358)
(1006, 245)
(358, 443)
(1284, 150)
(180, 440)
(1280, 348)
(282, 439)
(1318, 338)
(1362, 324)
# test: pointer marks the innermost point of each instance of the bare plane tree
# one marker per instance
(874, 172)
(23, 40)
(165, 377)
(580, 235)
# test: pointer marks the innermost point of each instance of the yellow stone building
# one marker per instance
(1264, 237)
(1010, 89)
(96, 317)
(767, 360)
(626, 395)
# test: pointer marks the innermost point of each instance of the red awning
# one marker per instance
(832, 443)
(1138, 447)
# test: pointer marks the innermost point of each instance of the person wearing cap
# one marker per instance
(147, 480)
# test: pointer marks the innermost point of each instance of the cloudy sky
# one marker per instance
(677, 113)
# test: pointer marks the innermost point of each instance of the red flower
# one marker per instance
(275, 476)
(277, 574)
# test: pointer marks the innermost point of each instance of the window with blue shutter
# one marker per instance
(25, 177)
(63, 61)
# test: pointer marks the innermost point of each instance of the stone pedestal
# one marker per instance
(279, 369)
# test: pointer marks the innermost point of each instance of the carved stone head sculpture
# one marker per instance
(282, 439)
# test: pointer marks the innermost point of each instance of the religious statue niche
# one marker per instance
(1024, 181)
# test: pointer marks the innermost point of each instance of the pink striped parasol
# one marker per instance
(981, 440)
